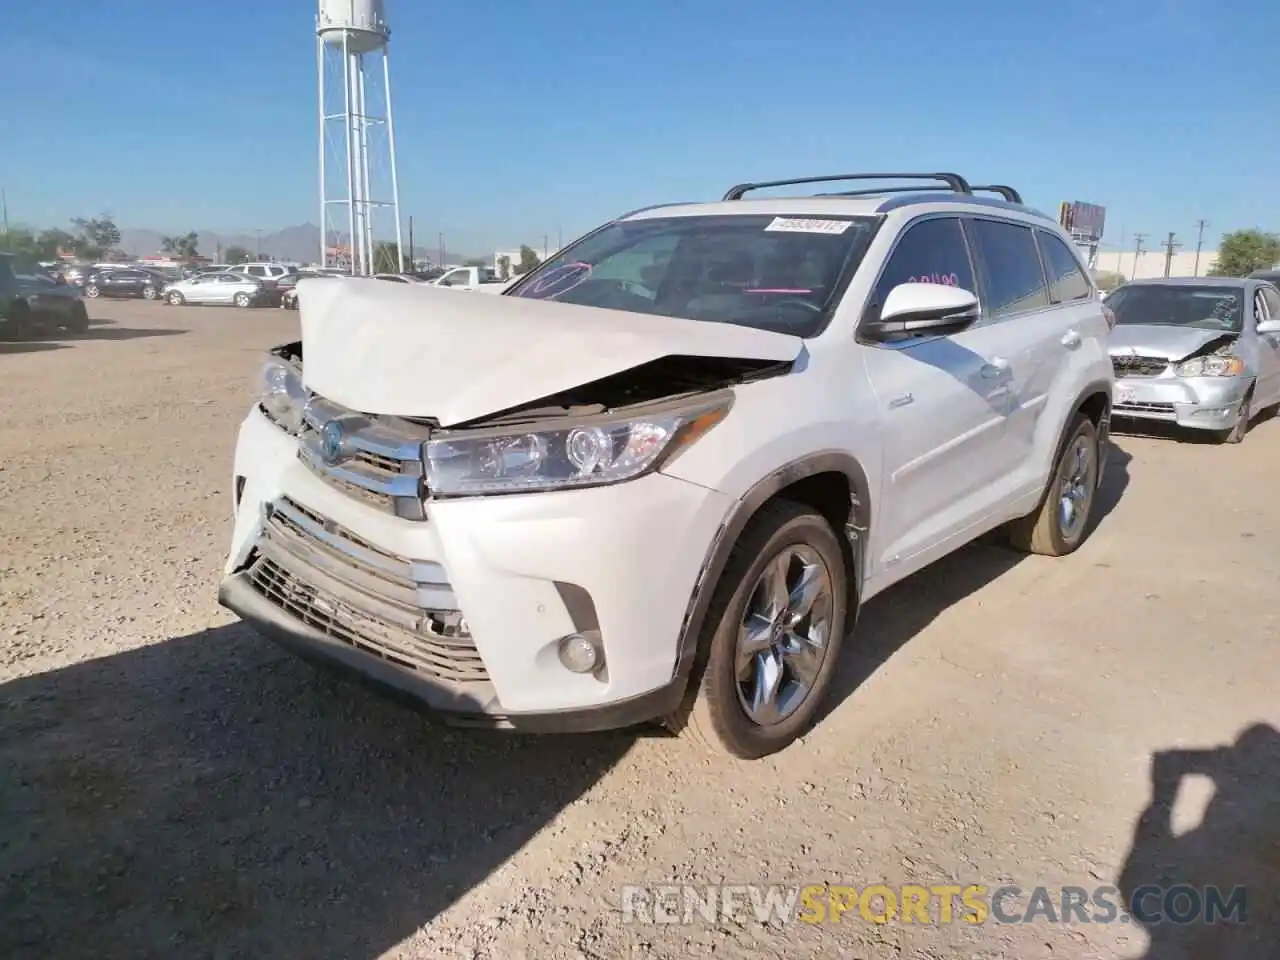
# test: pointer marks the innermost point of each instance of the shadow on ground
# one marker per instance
(1236, 845)
(213, 796)
(28, 346)
(1155, 430)
(891, 619)
(99, 331)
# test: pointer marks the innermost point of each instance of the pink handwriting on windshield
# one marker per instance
(946, 279)
(777, 290)
(559, 281)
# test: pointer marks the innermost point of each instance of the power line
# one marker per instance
(1200, 225)
(1137, 253)
(1169, 244)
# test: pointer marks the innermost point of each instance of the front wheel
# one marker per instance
(243, 300)
(91, 290)
(79, 319)
(1058, 526)
(772, 635)
(1237, 433)
(150, 293)
(175, 299)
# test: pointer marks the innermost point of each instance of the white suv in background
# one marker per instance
(263, 271)
(657, 477)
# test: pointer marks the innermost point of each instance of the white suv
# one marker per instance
(263, 271)
(656, 479)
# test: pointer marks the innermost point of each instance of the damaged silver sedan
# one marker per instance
(1201, 353)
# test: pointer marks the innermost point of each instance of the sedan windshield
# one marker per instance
(1200, 307)
(772, 273)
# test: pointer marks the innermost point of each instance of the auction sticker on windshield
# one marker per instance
(805, 225)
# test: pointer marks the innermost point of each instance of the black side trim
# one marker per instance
(581, 608)
(718, 554)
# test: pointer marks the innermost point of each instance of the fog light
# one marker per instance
(578, 654)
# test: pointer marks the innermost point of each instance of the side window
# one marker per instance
(1066, 277)
(1013, 280)
(257, 271)
(1272, 297)
(933, 251)
(1259, 307)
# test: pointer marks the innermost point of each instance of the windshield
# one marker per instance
(772, 273)
(1203, 308)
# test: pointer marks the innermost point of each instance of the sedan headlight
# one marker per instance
(281, 394)
(582, 455)
(1225, 365)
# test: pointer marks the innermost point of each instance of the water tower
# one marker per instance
(359, 187)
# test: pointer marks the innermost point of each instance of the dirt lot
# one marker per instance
(174, 786)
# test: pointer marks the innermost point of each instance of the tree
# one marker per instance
(384, 259)
(504, 267)
(45, 245)
(1244, 251)
(1108, 280)
(236, 255)
(528, 259)
(95, 238)
(184, 247)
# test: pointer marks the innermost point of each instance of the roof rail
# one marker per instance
(1010, 194)
(877, 191)
(953, 181)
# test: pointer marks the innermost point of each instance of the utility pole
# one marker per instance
(413, 261)
(441, 263)
(1200, 225)
(559, 238)
(545, 241)
(1169, 244)
(4, 214)
(1137, 253)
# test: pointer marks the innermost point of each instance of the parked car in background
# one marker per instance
(471, 278)
(232, 288)
(33, 303)
(1270, 276)
(289, 295)
(397, 277)
(1201, 353)
(124, 282)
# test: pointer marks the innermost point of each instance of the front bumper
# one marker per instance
(465, 610)
(1198, 403)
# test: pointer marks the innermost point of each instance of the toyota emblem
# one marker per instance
(331, 441)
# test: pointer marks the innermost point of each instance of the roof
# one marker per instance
(864, 206)
(1242, 282)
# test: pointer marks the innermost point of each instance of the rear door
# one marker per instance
(943, 402)
(1033, 318)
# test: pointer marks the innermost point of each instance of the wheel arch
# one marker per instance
(1094, 401)
(832, 482)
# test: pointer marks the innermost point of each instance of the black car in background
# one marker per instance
(32, 302)
(124, 282)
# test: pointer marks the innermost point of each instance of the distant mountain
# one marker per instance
(301, 243)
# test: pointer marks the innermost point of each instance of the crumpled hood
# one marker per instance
(1154, 340)
(421, 351)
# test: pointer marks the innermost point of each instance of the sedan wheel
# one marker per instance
(175, 298)
(91, 290)
(1237, 433)
(243, 300)
(149, 293)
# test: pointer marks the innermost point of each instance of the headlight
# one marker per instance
(1212, 366)
(281, 394)
(582, 455)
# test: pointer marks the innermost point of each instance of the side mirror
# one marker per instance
(923, 309)
(1268, 326)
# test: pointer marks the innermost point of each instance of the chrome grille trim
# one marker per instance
(1153, 409)
(381, 461)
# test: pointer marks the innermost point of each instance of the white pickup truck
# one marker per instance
(471, 278)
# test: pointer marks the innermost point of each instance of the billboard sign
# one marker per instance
(1084, 221)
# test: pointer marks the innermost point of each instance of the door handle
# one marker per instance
(1071, 339)
(995, 368)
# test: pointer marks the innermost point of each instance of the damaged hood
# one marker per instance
(420, 351)
(1167, 342)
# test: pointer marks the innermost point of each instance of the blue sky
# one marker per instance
(516, 120)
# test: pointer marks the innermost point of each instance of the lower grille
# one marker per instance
(1139, 366)
(1136, 407)
(456, 660)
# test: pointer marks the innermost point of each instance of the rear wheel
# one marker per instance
(91, 290)
(19, 323)
(175, 299)
(243, 300)
(150, 293)
(772, 635)
(1058, 526)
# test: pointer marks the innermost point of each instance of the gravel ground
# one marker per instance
(174, 786)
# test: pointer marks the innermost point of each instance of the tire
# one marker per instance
(1237, 433)
(20, 325)
(91, 291)
(243, 300)
(1047, 531)
(79, 319)
(719, 715)
(150, 293)
(176, 299)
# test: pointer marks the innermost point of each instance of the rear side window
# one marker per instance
(258, 271)
(1272, 298)
(1066, 276)
(1013, 280)
(933, 251)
